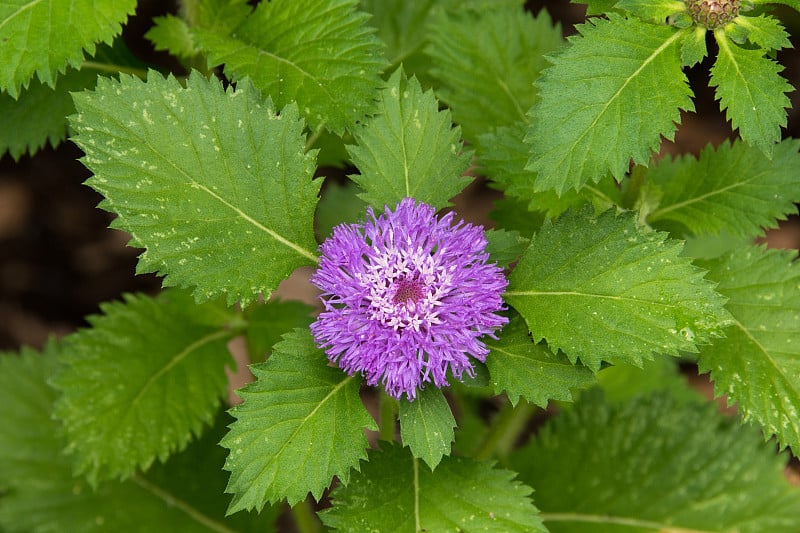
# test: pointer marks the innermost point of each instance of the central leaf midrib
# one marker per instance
(589, 295)
(301, 425)
(22, 9)
(604, 109)
(660, 212)
(618, 521)
(241, 214)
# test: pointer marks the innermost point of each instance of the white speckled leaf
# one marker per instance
(215, 184)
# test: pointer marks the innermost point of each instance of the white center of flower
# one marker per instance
(405, 287)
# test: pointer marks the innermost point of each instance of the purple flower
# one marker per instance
(407, 296)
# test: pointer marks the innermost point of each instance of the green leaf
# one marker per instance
(214, 183)
(222, 16)
(486, 62)
(176, 35)
(332, 150)
(751, 92)
(39, 113)
(503, 154)
(596, 7)
(44, 37)
(403, 27)
(713, 246)
(141, 382)
(426, 425)
(521, 367)
(583, 127)
(734, 188)
(763, 31)
(410, 149)
(655, 465)
(395, 493)
(505, 247)
(172, 34)
(267, 323)
(204, 488)
(606, 289)
(656, 11)
(318, 53)
(300, 425)
(758, 363)
(694, 48)
(27, 426)
(42, 495)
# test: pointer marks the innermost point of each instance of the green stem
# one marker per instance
(505, 429)
(388, 410)
(314, 137)
(114, 69)
(305, 518)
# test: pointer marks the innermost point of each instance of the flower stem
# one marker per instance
(505, 429)
(388, 410)
(305, 518)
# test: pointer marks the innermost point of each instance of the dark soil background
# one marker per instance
(58, 260)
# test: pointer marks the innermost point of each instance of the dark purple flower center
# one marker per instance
(407, 289)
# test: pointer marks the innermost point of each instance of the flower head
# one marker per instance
(407, 296)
